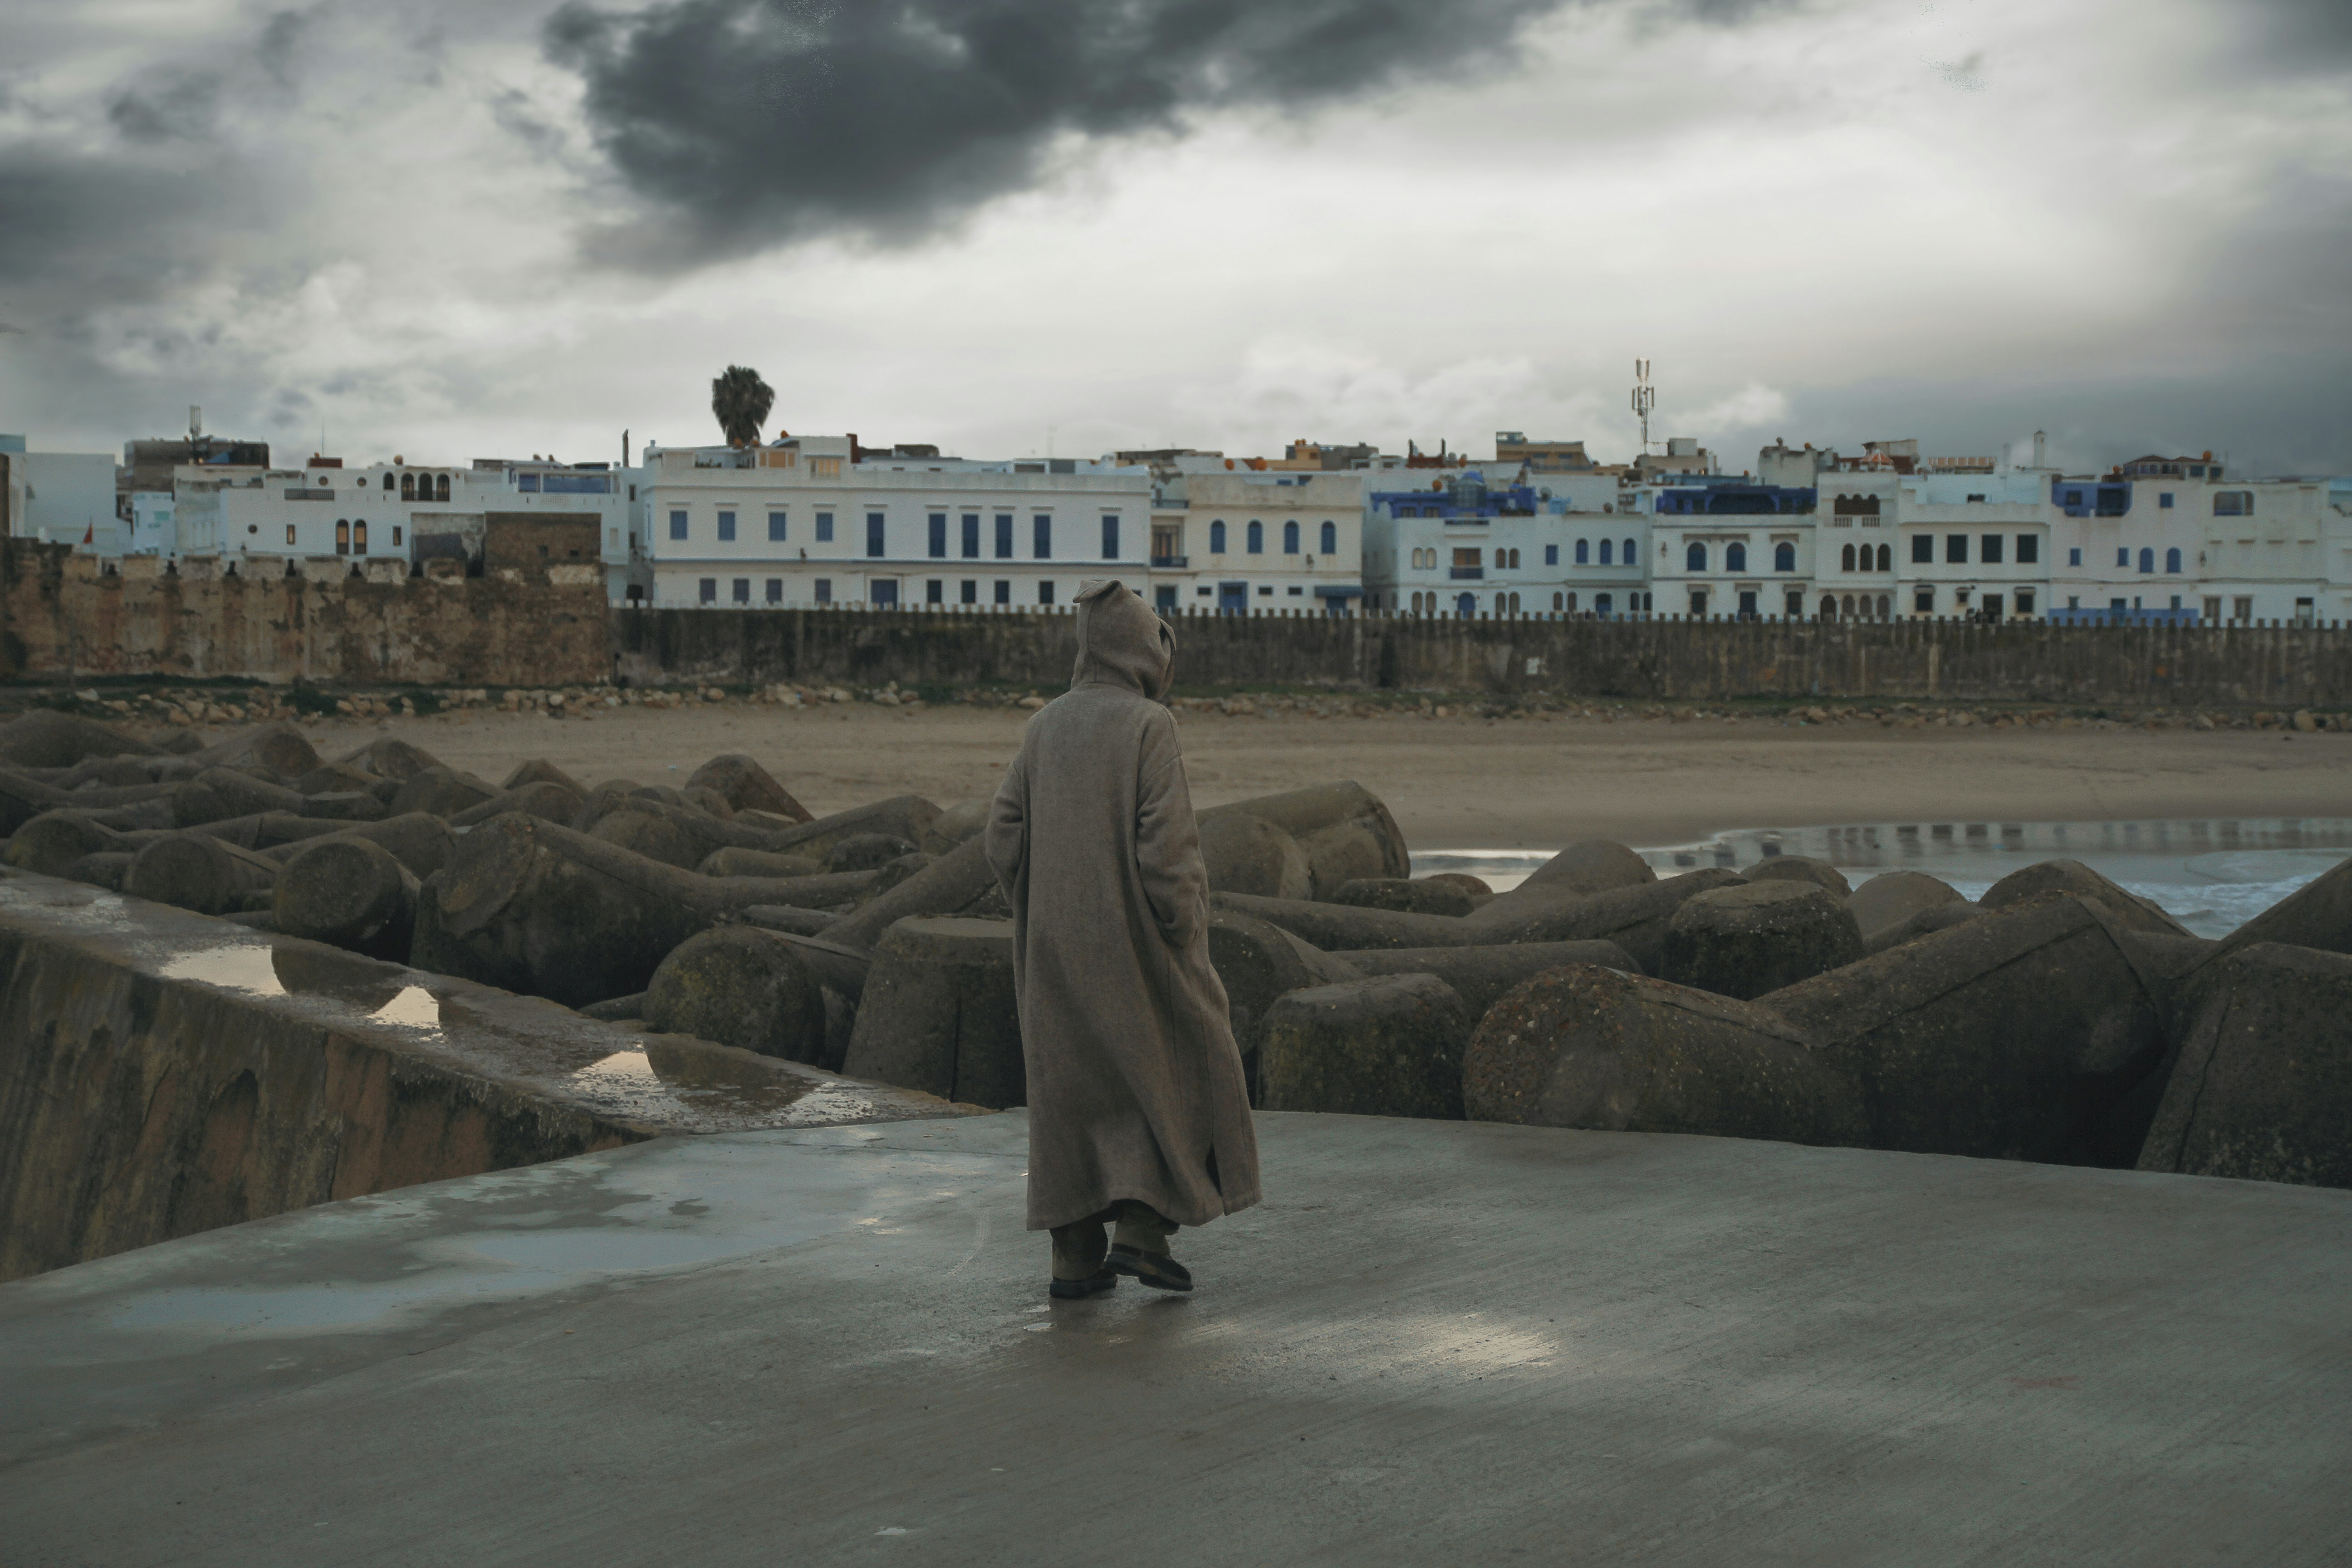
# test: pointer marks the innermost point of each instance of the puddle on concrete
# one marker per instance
(2211, 874)
(413, 1008)
(242, 968)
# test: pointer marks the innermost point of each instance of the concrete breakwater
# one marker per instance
(164, 1073)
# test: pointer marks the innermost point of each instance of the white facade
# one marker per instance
(2277, 550)
(152, 531)
(1245, 541)
(1972, 544)
(1581, 552)
(382, 513)
(798, 524)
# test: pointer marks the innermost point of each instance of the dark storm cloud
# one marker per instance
(743, 123)
(2315, 34)
(178, 107)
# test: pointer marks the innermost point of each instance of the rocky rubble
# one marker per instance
(2057, 1018)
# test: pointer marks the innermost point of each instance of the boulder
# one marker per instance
(1388, 1046)
(2262, 1086)
(545, 798)
(1592, 866)
(741, 986)
(1799, 869)
(197, 872)
(1586, 1046)
(350, 893)
(938, 1012)
(1926, 922)
(1744, 942)
(733, 861)
(1483, 976)
(1413, 895)
(45, 738)
(442, 792)
(1246, 854)
(2073, 876)
(866, 852)
(1893, 897)
(1476, 887)
(50, 843)
(538, 770)
(747, 786)
(953, 825)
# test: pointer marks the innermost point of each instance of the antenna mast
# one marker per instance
(1645, 397)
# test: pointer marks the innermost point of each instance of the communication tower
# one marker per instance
(1645, 397)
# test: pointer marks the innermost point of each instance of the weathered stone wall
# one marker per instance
(61, 616)
(2271, 666)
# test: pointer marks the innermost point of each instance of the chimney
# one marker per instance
(2040, 450)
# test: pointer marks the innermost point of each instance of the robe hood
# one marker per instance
(1122, 641)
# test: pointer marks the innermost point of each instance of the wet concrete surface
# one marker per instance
(1437, 1342)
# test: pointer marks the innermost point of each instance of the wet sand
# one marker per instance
(1468, 783)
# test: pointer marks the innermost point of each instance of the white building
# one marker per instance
(2276, 550)
(1536, 544)
(1239, 540)
(1732, 547)
(396, 512)
(1972, 544)
(799, 523)
(152, 530)
(62, 498)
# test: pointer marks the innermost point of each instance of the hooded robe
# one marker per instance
(1134, 1084)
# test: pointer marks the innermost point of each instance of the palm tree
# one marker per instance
(741, 401)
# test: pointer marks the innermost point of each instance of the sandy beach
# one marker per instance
(1468, 783)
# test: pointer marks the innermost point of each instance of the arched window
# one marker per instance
(359, 537)
(1694, 558)
(1784, 557)
(2147, 560)
(1256, 537)
(441, 487)
(1217, 537)
(1886, 558)
(1734, 557)
(1845, 559)
(1466, 605)
(1848, 606)
(1515, 567)
(1290, 538)
(408, 486)
(2172, 560)
(1885, 607)
(1571, 603)
(1829, 607)
(387, 484)
(1555, 602)
(1627, 557)
(1329, 543)
(1606, 553)
(1583, 551)
(342, 536)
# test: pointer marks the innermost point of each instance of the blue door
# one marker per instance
(1232, 599)
(1466, 606)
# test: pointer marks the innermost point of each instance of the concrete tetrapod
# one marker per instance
(1483, 976)
(741, 986)
(216, 793)
(1342, 828)
(938, 1015)
(1257, 963)
(2262, 1088)
(907, 816)
(54, 840)
(677, 836)
(2316, 915)
(1889, 899)
(1245, 854)
(45, 737)
(443, 791)
(275, 751)
(2073, 876)
(1635, 917)
(1587, 867)
(543, 797)
(2020, 1035)
(1413, 895)
(949, 885)
(866, 852)
(1799, 869)
(1744, 942)
(197, 872)
(734, 862)
(1590, 1047)
(1388, 1046)
(529, 906)
(418, 840)
(953, 825)
(388, 757)
(538, 770)
(1926, 922)
(745, 786)
(350, 893)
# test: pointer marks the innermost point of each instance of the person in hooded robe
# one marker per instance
(1138, 1114)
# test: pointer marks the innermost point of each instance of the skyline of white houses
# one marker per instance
(1888, 532)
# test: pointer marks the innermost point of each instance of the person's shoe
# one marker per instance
(1101, 1281)
(1156, 1270)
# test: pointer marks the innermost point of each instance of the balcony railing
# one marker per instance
(1170, 563)
(1466, 574)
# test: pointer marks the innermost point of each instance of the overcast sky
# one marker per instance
(460, 228)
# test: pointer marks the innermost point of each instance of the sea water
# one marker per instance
(2211, 874)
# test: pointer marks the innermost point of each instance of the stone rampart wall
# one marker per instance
(62, 616)
(1664, 660)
